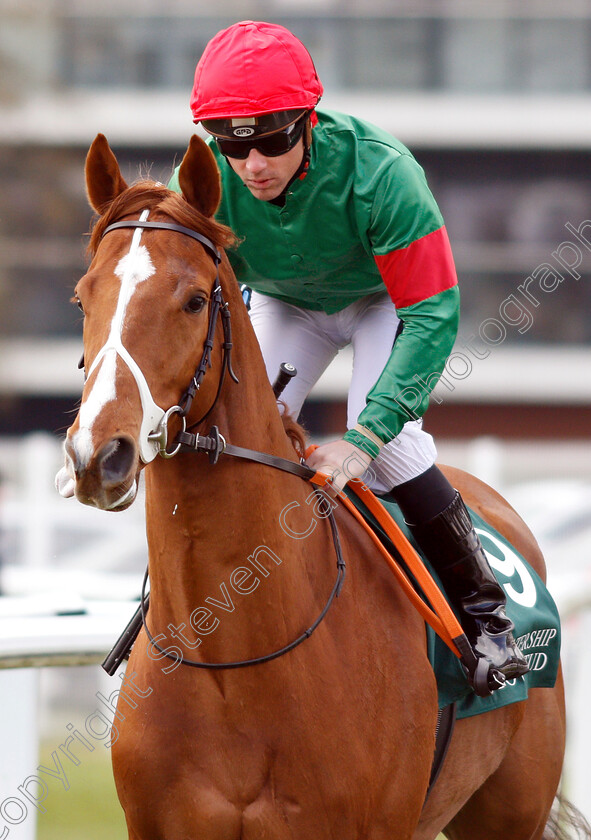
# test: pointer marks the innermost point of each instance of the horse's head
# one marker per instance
(147, 299)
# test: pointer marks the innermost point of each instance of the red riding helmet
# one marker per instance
(254, 68)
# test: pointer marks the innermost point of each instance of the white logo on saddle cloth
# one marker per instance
(508, 566)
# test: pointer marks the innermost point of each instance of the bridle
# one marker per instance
(154, 430)
(155, 441)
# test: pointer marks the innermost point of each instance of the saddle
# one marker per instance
(529, 605)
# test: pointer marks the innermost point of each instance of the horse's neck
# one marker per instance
(221, 538)
(206, 521)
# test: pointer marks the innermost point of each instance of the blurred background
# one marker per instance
(494, 100)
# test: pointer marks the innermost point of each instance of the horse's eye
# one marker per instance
(78, 303)
(196, 304)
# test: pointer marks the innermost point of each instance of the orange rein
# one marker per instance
(440, 616)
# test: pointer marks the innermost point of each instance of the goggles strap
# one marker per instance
(245, 145)
(301, 171)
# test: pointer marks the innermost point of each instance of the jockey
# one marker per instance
(342, 243)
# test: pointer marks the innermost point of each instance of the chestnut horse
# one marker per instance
(335, 738)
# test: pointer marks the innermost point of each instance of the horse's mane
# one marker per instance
(154, 196)
(294, 432)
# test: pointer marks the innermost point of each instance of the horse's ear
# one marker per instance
(199, 177)
(103, 176)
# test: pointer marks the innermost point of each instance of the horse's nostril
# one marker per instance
(117, 460)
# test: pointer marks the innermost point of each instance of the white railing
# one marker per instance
(32, 636)
(67, 577)
(54, 545)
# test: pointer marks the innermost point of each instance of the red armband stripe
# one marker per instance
(419, 271)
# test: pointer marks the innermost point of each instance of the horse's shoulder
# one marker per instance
(498, 512)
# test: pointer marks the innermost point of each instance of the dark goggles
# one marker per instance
(271, 145)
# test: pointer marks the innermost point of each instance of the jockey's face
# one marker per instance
(267, 177)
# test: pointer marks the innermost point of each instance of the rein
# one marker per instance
(215, 445)
(437, 613)
(259, 660)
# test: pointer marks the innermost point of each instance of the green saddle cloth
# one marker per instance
(529, 605)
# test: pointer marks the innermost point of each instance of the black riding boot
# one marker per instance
(453, 547)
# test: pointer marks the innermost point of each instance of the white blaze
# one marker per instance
(132, 269)
(103, 391)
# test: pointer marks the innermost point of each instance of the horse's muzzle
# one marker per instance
(109, 479)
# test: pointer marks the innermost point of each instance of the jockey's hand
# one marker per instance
(340, 461)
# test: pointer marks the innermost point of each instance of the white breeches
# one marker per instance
(310, 340)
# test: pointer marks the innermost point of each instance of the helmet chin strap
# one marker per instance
(280, 199)
(302, 168)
